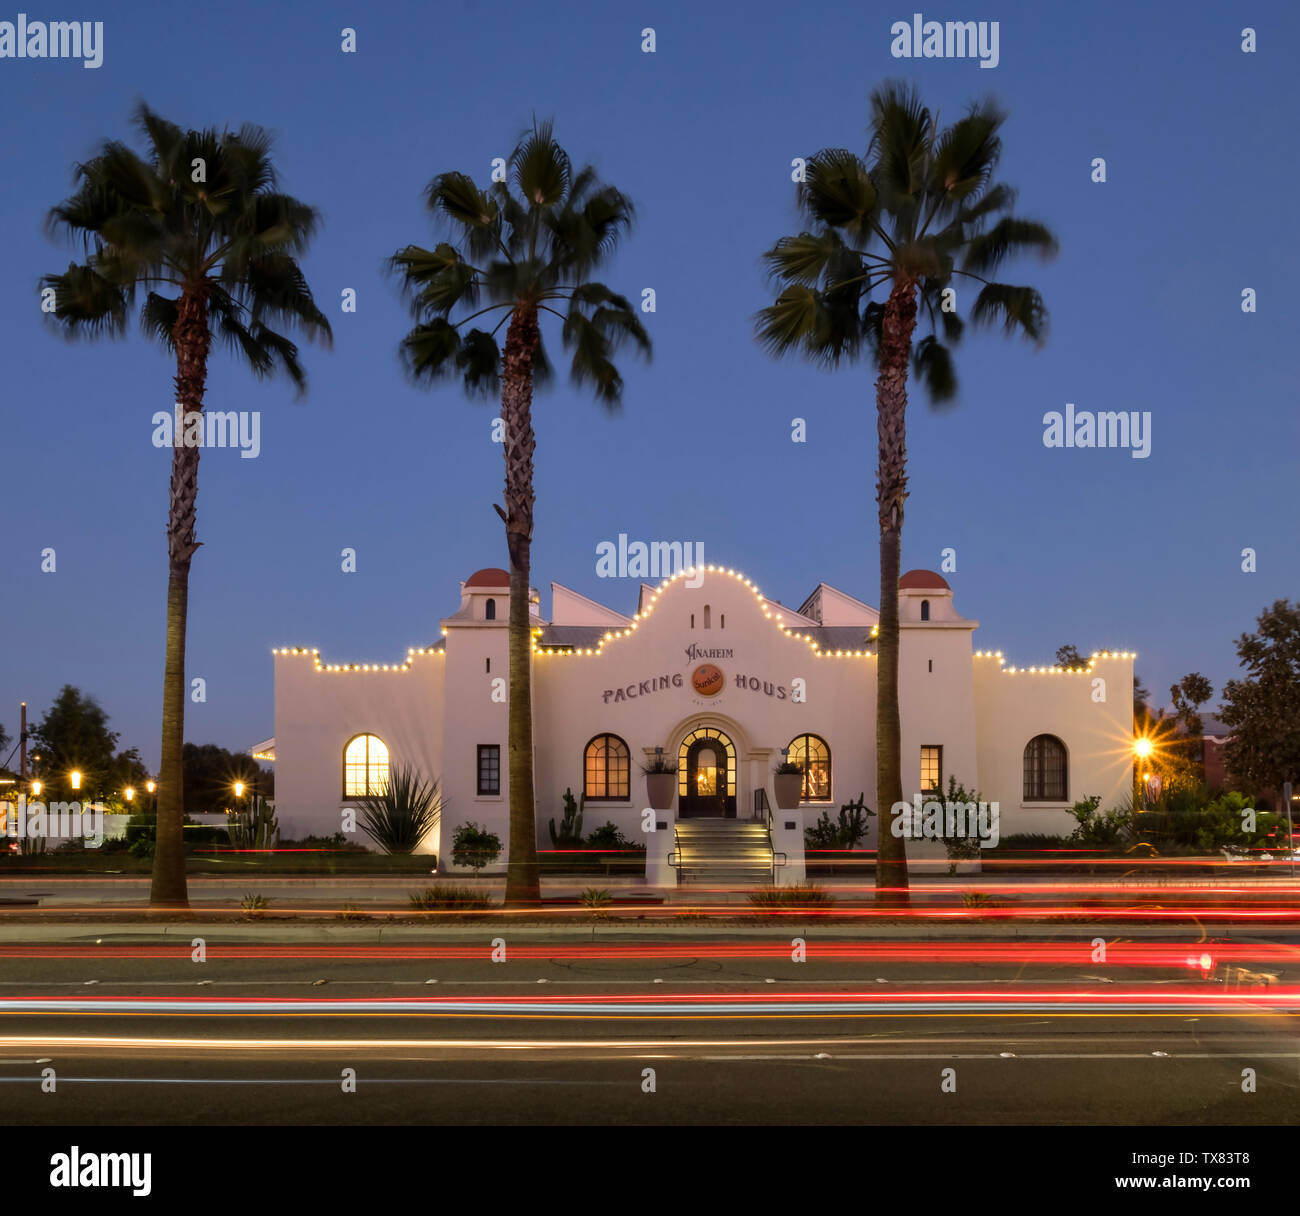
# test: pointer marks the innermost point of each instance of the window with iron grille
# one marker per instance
(489, 768)
(1045, 770)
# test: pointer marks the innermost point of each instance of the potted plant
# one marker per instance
(660, 782)
(788, 785)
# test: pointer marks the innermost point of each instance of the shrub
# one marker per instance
(450, 899)
(1100, 831)
(474, 846)
(982, 899)
(844, 834)
(254, 906)
(351, 912)
(404, 814)
(609, 837)
(1029, 842)
(961, 848)
(570, 834)
(799, 895)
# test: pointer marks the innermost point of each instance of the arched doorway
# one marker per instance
(706, 775)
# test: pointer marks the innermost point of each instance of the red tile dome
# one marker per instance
(491, 576)
(923, 580)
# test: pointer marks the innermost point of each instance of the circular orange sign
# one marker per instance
(708, 680)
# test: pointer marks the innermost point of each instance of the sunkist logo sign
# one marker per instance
(708, 680)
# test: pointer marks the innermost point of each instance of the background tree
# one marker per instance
(521, 253)
(74, 736)
(1068, 656)
(199, 224)
(1142, 715)
(1263, 708)
(1186, 746)
(210, 776)
(917, 218)
(1187, 697)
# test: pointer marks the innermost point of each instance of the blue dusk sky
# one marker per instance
(1091, 547)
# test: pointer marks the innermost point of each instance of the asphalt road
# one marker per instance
(705, 1030)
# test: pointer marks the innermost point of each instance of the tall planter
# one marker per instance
(661, 789)
(789, 790)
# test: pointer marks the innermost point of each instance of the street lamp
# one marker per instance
(75, 778)
(130, 794)
(36, 789)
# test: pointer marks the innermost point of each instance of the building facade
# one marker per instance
(714, 678)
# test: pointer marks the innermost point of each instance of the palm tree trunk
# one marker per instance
(192, 339)
(891, 489)
(523, 884)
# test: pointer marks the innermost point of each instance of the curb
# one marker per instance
(145, 932)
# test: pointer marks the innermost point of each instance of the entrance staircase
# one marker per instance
(724, 852)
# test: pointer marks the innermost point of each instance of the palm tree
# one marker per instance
(198, 224)
(900, 222)
(523, 247)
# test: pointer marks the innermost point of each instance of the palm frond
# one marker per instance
(932, 362)
(87, 303)
(839, 193)
(1020, 309)
(1007, 237)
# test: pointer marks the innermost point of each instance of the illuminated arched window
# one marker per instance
(606, 769)
(365, 767)
(1045, 770)
(811, 754)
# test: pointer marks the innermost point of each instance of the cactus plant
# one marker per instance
(255, 828)
(570, 834)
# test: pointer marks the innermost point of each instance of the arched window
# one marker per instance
(925, 610)
(811, 754)
(365, 767)
(1045, 770)
(606, 768)
(490, 610)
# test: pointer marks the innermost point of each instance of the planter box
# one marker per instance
(788, 788)
(661, 789)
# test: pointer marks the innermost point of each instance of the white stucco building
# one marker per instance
(713, 677)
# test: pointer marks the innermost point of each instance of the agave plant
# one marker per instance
(404, 814)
